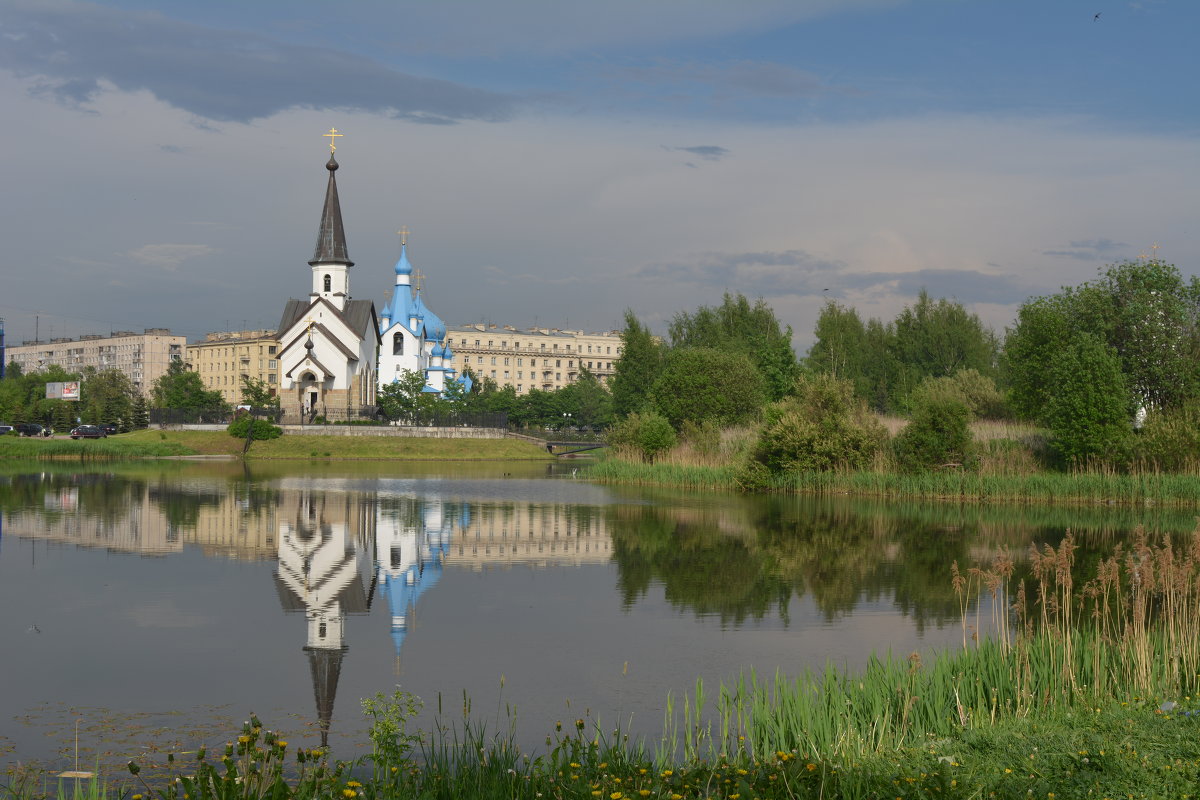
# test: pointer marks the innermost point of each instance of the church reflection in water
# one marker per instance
(339, 550)
(340, 553)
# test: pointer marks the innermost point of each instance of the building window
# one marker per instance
(609, 349)
(272, 364)
(558, 362)
(271, 350)
(493, 361)
(477, 343)
(505, 374)
(506, 361)
(520, 362)
(272, 378)
(520, 374)
(489, 342)
(520, 387)
(478, 359)
(503, 344)
(328, 283)
(398, 344)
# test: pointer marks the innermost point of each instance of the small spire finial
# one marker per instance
(1154, 247)
(333, 133)
(403, 235)
(418, 279)
(1143, 256)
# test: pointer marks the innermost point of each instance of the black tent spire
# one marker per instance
(331, 239)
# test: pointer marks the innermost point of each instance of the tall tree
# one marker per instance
(181, 388)
(637, 368)
(737, 326)
(1144, 312)
(937, 339)
(704, 383)
(107, 396)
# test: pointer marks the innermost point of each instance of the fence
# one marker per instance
(365, 415)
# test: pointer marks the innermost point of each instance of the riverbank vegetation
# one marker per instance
(1061, 688)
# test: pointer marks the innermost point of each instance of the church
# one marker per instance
(329, 342)
(413, 337)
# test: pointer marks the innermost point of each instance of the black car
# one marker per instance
(108, 427)
(29, 429)
(89, 432)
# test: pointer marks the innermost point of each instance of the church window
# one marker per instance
(397, 344)
(328, 283)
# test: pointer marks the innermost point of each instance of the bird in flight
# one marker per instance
(1097, 17)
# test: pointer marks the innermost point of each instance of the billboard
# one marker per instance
(62, 390)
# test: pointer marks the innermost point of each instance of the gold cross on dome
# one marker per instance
(403, 235)
(1155, 247)
(333, 133)
(1142, 256)
(418, 279)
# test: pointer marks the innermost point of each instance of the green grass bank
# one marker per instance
(152, 443)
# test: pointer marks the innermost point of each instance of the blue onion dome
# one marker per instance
(402, 266)
(437, 350)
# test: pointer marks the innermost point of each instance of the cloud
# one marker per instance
(964, 284)
(754, 273)
(78, 47)
(168, 257)
(709, 152)
(1089, 250)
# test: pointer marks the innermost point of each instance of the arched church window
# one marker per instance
(398, 344)
(328, 283)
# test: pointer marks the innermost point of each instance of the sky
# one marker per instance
(557, 162)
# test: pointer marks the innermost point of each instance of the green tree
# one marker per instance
(181, 388)
(256, 393)
(405, 397)
(840, 346)
(107, 396)
(1144, 312)
(586, 400)
(1089, 412)
(739, 327)
(646, 433)
(937, 339)
(702, 383)
(636, 369)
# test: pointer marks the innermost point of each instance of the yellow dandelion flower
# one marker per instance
(742, 772)
(644, 792)
(1007, 771)
(642, 771)
(603, 764)
(596, 793)
(615, 796)
(666, 773)
(676, 797)
(354, 784)
(574, 765)
(243, 739)
(347, 793)
(810, 766)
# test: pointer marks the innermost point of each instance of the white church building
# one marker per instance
(328, 343)
(413, 337)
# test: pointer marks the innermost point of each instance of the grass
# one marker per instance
(153, 443)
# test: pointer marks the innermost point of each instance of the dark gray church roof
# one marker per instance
(357, 315)
(331, 239)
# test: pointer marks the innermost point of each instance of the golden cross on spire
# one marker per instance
(418, 279)
(1142, 256)
(1154, 247)
(333, 134)
(403, 235)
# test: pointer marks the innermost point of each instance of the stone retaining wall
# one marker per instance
(371, 430)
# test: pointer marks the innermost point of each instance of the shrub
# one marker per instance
(1170, 440)
(976, 391)
(262, 428)
(702, 383)
(938, 435)
(1088, 411)
(646, 433)
(823, 427)
(704, 437)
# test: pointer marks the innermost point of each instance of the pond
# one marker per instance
(153, 607)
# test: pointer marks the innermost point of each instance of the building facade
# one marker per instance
(537, 358)
(329, 343)
(142, 357)
(224, 358)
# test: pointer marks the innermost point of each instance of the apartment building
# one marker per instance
(224, 357)
(143, 357)
(535, 358)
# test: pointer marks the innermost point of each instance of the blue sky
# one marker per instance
(557, 162)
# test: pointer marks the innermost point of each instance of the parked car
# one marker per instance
(109, 427)
(5, 429)
(30, 429)
(88, 432)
